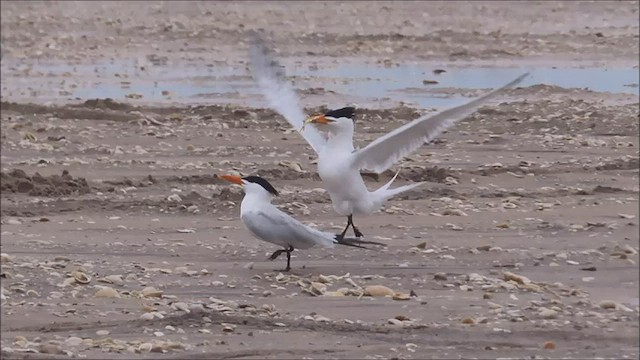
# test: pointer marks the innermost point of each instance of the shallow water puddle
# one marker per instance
(416, 84)
(351, 82)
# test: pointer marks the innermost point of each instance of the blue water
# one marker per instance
(390, 81)
(595, 79)
(365, 81)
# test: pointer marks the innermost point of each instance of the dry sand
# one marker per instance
(523, 243)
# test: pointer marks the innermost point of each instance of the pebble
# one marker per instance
(147, 316)
(318, 288)
(102, 332)
(454, 212)
(50, 349)
(545, 313)
(145, 347)
(150, 291)
(440, 276)
(174, 198)
(608, 304)
(378, 291)
(181, 306)
(113, 279)
(629, 249)
(401, 296)
(107, 292)
(80, 277)
(453, 227)
(73, 341)
(320, 318)
(549, 345)
(5, 258)
(517, 278)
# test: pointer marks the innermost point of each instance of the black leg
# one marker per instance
(356, 232)
(279, 252)
(288, 251)
(344, 232)
(288, 261)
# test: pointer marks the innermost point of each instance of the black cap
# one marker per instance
(345, 112)
(262, 182)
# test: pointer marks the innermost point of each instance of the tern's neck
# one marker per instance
(342, 139)
(254, 199)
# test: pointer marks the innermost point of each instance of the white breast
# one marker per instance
(346, 188)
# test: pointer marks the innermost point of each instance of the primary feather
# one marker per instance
(385, 151)
(271, 79)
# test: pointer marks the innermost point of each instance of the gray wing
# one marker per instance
(272, 81)
(272, 225)
(385, 151)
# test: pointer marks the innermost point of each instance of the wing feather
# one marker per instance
(271, 79)
(386, 150)
(275, 226)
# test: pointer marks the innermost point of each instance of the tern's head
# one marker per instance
(334, 121)
(252, 184)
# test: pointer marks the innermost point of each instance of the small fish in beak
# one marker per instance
(318, 119)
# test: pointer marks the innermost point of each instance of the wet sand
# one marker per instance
(523, 243)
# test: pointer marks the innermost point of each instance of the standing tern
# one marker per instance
(331, 137)
(266, 222)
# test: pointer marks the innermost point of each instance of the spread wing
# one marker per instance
(386, 150)
(272, 81)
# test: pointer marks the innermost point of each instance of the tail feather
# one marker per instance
(384, 193)
(400, 189)
(355, 242)
(388, 184)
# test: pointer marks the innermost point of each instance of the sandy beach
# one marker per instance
(120, 241)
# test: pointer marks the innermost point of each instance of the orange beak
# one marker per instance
(232, 178)
(318, 119)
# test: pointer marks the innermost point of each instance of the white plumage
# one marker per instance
(339, 164)
(268, 223)
(282, 98)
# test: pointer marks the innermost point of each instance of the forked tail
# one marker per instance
(384, 193)
(355, 242)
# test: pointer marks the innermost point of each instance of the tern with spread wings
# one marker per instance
(331, 137)
(266, 222)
